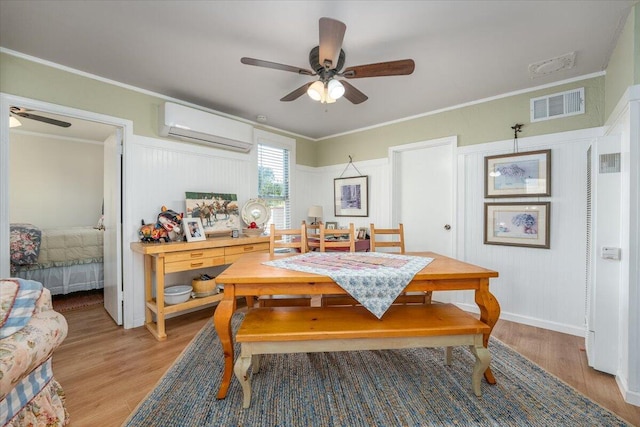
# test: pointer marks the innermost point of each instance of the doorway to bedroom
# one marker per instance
(64, 185)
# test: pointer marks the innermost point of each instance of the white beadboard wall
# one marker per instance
(315, 187)
(539, 287)
(164, 170)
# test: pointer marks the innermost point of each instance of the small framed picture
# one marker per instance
(362, 234)
(525, 174)
(517, 224)
(351, 196)
(193, 229)
(331, 225)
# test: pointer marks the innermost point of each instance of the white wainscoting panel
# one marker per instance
(165, 171)
(540, 287)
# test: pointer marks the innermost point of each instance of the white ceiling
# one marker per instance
(191, 50)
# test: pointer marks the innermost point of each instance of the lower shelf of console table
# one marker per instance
(173, 257)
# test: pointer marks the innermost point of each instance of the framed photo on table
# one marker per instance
(525, 174)
(193, 229)
(517, 224)
(351, 196)
(331, 225)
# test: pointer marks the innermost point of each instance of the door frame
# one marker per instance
(6, 100)
(394, 180)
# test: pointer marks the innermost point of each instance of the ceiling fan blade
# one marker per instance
(22, 113)
(353, 94)
(402, 67)
(296, 93)
(276, 66)
(331, 36)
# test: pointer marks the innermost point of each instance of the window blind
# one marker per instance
(273, 183)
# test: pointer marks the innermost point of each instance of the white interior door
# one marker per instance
(423, 194)
(113, 226)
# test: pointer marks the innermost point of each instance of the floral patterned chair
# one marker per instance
(29, 333)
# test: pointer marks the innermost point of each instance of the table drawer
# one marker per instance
(245, 249)
(192, 264)
(232, 253)
(193, 255)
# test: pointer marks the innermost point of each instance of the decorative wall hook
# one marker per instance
(516, 128)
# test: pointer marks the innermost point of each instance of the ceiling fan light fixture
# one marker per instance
(13, 122)
(316, 91)
(335, 89)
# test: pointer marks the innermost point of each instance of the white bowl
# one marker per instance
(252, 232)
(177, 294)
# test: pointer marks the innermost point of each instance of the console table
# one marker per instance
(173, 257)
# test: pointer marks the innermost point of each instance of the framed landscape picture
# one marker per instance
(219, 213)
(351, 196)
(517, 224)
(518, 175)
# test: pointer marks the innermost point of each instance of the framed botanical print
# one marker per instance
(517, 224)
(525, 174)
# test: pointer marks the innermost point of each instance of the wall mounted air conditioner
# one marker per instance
(200, 127)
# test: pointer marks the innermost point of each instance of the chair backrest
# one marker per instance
(292, 238)
(341, 242)
(397, 238)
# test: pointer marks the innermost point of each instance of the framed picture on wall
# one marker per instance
(351, 196)
(193, 229)
(525, 174)
(517, 224)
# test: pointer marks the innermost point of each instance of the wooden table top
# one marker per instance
(249, 268)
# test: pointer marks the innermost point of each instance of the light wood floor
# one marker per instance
(106, 370)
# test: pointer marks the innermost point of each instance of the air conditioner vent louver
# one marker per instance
(557, 105)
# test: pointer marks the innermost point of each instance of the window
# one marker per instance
(273, 183)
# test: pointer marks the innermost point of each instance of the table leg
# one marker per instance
(222, 323)
(489, 314)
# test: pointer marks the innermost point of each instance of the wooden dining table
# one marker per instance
(248, 276)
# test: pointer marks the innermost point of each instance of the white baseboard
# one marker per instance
(531, 321)
(631, 397)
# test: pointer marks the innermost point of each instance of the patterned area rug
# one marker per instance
(76, 300)
(365, 388)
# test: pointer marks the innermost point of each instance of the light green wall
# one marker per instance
(475, 124)
(623, 65)
(33, 80)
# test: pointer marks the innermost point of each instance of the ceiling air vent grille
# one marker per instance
(564, 104)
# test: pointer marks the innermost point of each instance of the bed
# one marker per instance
(64, 260)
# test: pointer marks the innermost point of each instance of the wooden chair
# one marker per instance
(331, 299)
(289, 239)
(294, 238)
(340, 242)
(396, 242)
(378, 240)
(313, 235)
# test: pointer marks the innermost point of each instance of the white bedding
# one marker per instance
(70, 260)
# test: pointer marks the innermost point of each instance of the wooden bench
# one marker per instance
(276, 330)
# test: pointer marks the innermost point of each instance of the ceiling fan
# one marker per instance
(22, 112)
(327, 60)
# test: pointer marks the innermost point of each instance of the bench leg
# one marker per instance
(240, 369)
(483, 359)
(255, 363)
(448, 353)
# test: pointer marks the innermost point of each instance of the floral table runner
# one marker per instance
(374, 279)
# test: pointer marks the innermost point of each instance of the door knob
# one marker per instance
(447, 227)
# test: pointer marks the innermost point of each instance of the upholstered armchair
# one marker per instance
(30, 330)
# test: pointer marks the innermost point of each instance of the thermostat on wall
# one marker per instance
(610, 253)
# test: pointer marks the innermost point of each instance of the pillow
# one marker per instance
(24, 244)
